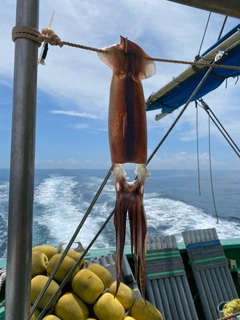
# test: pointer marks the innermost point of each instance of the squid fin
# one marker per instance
(115, 57)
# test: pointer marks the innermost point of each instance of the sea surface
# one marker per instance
(172, 205)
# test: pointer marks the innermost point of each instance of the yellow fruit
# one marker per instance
(75, 256)
(64, 268)
(142, 310)
(108, 307)
(102, 273)
(39, 263)
(70, 307)
(125, 295)
(37, 284)
(51, 317)
(48, 250)
(35, 314)
(87, 285)
(129, 318)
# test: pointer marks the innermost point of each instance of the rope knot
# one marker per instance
(49, 36)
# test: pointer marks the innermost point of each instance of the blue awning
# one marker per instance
(177, 92)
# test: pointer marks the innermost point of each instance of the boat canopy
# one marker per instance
(178, 91)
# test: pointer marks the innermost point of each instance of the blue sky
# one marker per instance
(73, 86)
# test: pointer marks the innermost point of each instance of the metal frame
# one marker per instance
(20, 218)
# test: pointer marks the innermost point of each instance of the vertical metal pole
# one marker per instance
(22, 167)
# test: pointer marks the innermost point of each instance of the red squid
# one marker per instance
(127, 129)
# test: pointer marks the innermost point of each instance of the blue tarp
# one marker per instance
(180, 94)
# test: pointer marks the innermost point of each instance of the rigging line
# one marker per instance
(71, 241)
(180, 114)
(223, 25)
(200, 48)
(198, 164)
(75, 266)
(220, 66)
(238, 154)
(210, 168)
(224, 129)
(49, 36)
(221, 128)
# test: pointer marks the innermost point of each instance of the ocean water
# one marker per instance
(172, 205)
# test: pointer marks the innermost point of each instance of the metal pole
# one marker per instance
(22, 167)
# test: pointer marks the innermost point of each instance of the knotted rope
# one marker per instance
(49, 36)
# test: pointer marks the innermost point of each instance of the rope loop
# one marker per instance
(26, 32)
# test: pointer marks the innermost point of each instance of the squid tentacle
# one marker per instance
(120, 217)
(129, 200)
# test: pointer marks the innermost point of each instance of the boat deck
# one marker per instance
(231, 249)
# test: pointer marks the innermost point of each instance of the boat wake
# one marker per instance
(167, 216)
(61, 200)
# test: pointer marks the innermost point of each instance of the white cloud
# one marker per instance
(183, 161)
(73, 161)
(80, 126)
(74, 114)
(58, 163)
(49, 161)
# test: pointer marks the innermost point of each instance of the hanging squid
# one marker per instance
(127, 130)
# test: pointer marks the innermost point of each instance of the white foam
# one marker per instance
(60, 203)
(3, 234)
(63, 210)
(65, 201)
(4, 196)
(167, 216)
(4, 192)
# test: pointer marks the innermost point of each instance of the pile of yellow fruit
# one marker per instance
(90, 293)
